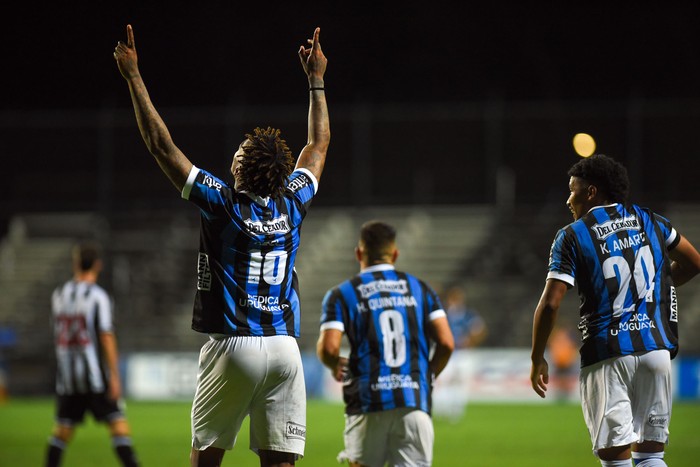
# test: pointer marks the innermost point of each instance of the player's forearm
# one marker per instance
(156, 135)
(545, 317)
(440, 358)
(327, 355)
(319, 133)
(153, 130)
(111, 355)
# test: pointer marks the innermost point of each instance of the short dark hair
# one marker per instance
(606, 174)
(377, 239)
(267, 163)
(85, 255)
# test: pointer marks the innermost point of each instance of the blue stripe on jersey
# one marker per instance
(248, 246)
(600, 321)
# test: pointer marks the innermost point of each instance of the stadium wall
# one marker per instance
(484, 375)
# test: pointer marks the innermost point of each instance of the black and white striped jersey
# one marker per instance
(80, 312)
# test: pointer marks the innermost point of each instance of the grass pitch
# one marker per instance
(487, 435)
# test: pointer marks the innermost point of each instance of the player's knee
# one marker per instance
(119, 427)
(63, 433)
(268, 458)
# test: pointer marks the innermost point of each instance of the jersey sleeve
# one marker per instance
(562, 256)
(671, 237)
(332, 311)
(302, 186)
(435, 309)
(209, 193)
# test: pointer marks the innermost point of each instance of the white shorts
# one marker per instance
(257, 376)
(627, 399)
(401, 437)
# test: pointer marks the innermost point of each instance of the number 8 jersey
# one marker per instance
(385, 315)
(246, 283)
(617, 257)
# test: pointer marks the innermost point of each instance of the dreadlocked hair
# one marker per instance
(606, 174)
(267, 163)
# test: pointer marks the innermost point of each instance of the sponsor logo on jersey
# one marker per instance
(637, 322)
(262, 302)
(203, 273)
(607, 228)
(278, 225)
(658, 420)
(371, 288)
(298, 183)
(394, 381)
(674, 305)
(296, 431)
(211, 182)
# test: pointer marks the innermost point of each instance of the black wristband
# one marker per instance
(317, 89)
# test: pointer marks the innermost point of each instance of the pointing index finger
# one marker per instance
(315, 45)
(130, 36)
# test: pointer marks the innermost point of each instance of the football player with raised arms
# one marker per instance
(247, 297)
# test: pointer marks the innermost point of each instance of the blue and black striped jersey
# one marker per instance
(385, 314)
(617, 256)
(246, 283)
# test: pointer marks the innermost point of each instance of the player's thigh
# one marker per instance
(230, 370)
(278, 408)
(411, 438)
(366, 438)
(652, 400)
(70, 409)
(105, 410)
(606, 403)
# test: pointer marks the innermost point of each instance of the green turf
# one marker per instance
(487, 435)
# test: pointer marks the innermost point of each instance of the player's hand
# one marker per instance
(125, 55)
(341, 369)
(313, 60)
(539, 377)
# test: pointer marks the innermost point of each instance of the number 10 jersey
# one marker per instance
(618, 258)
(246, 283)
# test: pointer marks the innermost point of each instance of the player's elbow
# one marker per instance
(446, 343)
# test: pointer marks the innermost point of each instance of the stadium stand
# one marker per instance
(500, 258)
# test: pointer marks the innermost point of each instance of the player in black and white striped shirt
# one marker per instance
(87, 377)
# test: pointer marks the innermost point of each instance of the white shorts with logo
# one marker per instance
(401, 437)
(627, 399)
(257, 376)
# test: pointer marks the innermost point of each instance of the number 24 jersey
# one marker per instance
(618, 258)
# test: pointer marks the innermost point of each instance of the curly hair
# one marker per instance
(267, 163)
(606, 174)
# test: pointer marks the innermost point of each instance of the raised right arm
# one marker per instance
(153, 130)
(313, 156)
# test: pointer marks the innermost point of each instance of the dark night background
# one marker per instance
(535, 64)
(208, 54)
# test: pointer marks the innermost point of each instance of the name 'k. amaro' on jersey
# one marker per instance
(618, 258)
(385, 314)
(246, 283)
